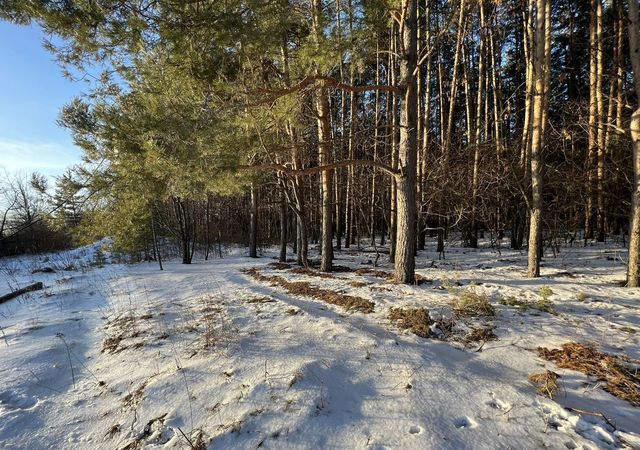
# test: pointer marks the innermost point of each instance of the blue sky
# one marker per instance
(32, 92)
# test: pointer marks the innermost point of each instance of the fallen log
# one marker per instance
(32, 287)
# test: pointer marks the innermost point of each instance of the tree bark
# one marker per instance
(407, 151)
(324, 151)
(633, 269)
(537, 138)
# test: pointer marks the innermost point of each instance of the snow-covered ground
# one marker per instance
(206, 356)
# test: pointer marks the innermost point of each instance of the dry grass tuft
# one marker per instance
(480, 335)
(473, 303)
(417, 320)
(621, 381)
(133, 398)
(305, 289)
(547, 382)
(112, 344)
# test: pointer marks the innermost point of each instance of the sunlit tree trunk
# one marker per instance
(633, 270)
(542, 47)
(324, 151)
(407, 150)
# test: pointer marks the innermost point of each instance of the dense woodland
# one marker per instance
(346, 122)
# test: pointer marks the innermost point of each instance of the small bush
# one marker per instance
(99, 258)
(544, 305)
(545, 292)
(473, 303)
(510, 300)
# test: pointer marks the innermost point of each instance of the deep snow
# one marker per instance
(126, 356)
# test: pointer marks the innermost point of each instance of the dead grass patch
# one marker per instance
(417, 320)
(374, 273)
(473, 303)
(480, 334)
(279, 265)
(547, 383)
(112, 344)
(305, 289)
(621, 381)
(358, 284)
(264, 299)
(341, 269)
(311, 272)
(133, 398)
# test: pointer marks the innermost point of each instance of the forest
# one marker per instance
(333, 123)
(330, 224)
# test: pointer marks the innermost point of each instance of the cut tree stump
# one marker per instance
(32, 287)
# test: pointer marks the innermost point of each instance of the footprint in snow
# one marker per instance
(465, 422)
(414, 429)
(14, 400)
(498, 404)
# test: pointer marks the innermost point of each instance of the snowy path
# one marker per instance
(207, 351)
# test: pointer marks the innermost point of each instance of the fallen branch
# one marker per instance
(592, 413)
(32, 287)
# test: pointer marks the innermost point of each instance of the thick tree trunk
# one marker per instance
(633, 270)
(407, 151)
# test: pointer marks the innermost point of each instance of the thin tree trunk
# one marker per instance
(324, 150)
(601, 125)
(156, 249)
(253, 224)
(537, 138)
(478, 130)
(593, 123)
(393, 208)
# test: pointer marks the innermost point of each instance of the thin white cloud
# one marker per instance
(49, 158)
